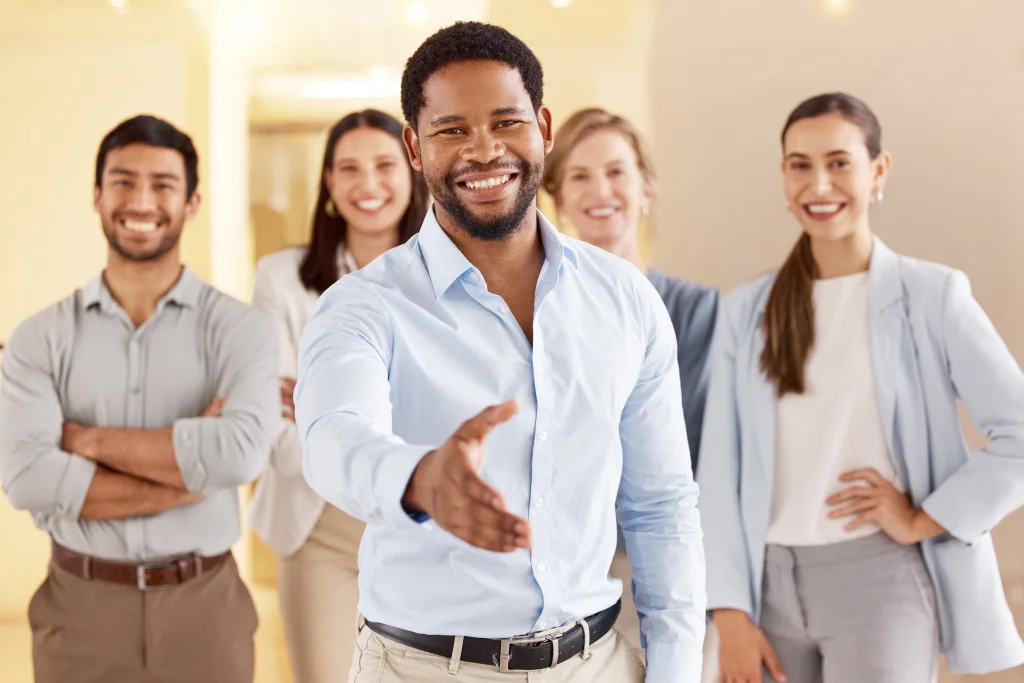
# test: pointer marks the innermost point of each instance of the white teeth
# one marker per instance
(823, 208)
(370, 204)
(488, 183)
(139, 226)
(600, 213)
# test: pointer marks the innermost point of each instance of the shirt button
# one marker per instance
(504, 308)
(136, 390)
(539, 503)
(542, 567)
(473, 276)
(543, 436)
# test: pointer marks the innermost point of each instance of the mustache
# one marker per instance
(516, 166)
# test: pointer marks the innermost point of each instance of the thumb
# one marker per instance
(479, 426)
(213, 410)
(771, 662)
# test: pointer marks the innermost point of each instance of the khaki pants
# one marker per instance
(99, 632)
(319, 594)
(381, 660)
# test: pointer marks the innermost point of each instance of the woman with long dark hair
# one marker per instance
(370, 201)
(846, 524)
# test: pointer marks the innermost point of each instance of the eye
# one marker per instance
(799, 165)
(840, 163)
(450, 131)
(347, 168)
(508, 123)
(577, 176)
(163, 186)
(615, 171)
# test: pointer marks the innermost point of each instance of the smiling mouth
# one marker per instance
(487, 183)
(371, 205)
(824, 211)
(604, 212)
(139, 227)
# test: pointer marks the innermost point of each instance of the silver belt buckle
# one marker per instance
(551, 635)
(140, 575)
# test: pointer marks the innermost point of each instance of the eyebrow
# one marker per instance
(133, 174)
(800, 155)
(457, 118)
(377, 157)
(613, 162)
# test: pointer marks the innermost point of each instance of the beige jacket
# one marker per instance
(284, 508)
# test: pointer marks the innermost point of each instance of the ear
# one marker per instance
(883, 164)
(192, 205)
(96, 193)
(412, 146)
(546, 129)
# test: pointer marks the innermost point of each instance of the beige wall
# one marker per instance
(64, 85)
(946, 78)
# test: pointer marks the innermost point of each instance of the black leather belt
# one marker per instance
(527, 653)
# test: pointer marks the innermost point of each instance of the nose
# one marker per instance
(822, 182)
(142, 199)
(369, 179)
(482, 149)
(603, 187)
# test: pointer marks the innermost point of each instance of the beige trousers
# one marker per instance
(98, 632)
(629, 623)
(319, 594)
(381, 660)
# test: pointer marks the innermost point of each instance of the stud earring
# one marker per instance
(878, 196)
(330, 209)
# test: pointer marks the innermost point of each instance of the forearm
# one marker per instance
(142, 453)
(115, 495)
(664, 543)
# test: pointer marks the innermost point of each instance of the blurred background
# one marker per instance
(257, 82)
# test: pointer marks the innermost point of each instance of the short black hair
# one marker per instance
(150, 130)
(467, 41)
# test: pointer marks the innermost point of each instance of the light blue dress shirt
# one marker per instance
(399, 354)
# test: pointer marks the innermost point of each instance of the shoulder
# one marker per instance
(284, 263)
(683, 298)
(227, 315)
(605, 270)
(46, 332)
(749, 299)
(926, 281)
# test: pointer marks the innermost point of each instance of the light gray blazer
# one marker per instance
(931, 343)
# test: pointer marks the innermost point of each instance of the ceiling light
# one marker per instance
(119, 6)
(416, 12)
(558, 4)
(837, 5)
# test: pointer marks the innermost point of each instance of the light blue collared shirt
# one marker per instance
(399, 354)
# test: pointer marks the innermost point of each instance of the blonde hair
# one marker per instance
(576, 128)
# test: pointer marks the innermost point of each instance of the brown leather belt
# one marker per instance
(145, 576)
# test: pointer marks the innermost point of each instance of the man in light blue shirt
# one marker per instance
(488, 397)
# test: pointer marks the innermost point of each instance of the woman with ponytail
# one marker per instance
(846, 523)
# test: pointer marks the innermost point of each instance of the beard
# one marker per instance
(491, 228)
(171, 237)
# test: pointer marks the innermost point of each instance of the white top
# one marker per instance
(284, 509)
(833, 427)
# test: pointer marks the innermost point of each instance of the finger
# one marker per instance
(852, 492)
(480, 491)
(868, 474)
(489, 529)
(861, 519)
(288, 382)
(216, 405)
(479, 426)
(856, 506)
(771, 662)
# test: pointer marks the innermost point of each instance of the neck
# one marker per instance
(843, 257)
(138, 286)
(365, 248)
(502, 263)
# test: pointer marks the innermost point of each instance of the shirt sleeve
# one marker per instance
(990, 485)
(37, 475)
(351, 457)
(657, 509)
(695, 365)
(231, 450)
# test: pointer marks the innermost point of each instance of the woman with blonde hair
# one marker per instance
(601, 177)
(370, 200)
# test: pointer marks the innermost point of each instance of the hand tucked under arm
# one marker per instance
(113, 495)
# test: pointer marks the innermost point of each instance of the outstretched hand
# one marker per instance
(447, 486)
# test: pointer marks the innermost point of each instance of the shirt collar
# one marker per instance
(185, 292)
(446, 264)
